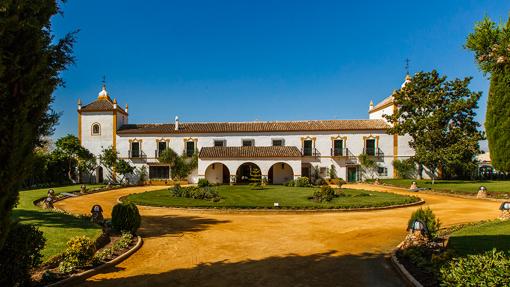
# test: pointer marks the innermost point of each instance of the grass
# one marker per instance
(495, 188)
(57, 227)
(242, 196)
(481, 237)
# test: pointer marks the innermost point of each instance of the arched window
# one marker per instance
(96, 129)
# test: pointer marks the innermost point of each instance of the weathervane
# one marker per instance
(407, 66)
(104, 81)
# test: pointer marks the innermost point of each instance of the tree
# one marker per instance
(439, 116)
(109, 158)
(70, 148)
(123, 168)
(405, 168)
(181, 166)
(491, 43)
(31, 60)
(368, 166)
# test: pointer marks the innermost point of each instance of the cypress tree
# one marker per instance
(31, 60)
(490, 43)
(497, 119)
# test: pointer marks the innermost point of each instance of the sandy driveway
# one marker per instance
(192, 248)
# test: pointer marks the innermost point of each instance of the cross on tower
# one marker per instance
(104, 81)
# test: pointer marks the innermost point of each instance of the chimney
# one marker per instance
(371, 107)
(126, 108)
(79, 104)
(114, 104)
(176, 123)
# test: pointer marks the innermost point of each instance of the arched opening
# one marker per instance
(280, 173)
(217, 173)
(96, 129)
(99, 174)
(244, 172)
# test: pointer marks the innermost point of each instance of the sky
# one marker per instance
(261, 60)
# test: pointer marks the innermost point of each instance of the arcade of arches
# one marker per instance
(219, 173)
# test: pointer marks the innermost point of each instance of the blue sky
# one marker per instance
(261, 60)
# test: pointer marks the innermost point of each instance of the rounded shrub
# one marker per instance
(126, 217)
(428, 217)
(79, 252)
(20, 253)
(203, 182)
(325, 194)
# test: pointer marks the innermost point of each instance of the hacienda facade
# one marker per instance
(227, 151)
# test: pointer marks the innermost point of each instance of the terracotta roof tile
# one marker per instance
(249, 152)
(100, 105)
(235, 127)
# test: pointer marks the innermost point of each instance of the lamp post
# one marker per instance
(482, 192)
(505, 210)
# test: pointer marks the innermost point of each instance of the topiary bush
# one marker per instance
(203, 182)
(20, 253)
(126, 217)
(488, 269)
(302, 181)
(79, 252)
(428, 218)
(325, 194)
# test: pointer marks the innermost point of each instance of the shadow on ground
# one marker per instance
(323, 269)
(154, 226)
(476, 244)
(51, 218)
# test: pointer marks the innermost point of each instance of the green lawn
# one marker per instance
(242, 196)
(481, 237)
(495, 188)
(57, 227)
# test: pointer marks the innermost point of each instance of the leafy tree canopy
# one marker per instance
(439, 116)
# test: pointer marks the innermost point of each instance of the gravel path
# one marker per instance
(204, 248)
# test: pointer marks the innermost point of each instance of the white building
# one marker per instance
(282, 150)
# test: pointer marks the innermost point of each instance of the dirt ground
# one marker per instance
(207, 248)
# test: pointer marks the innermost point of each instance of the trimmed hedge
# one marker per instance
(126, 217)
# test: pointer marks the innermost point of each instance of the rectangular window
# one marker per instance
(382, 171)
(220, 143)
(161, 148)
(338, 147)
(370, 147)
(307, 147)
(190, 148)
(135, 149)
(159, 172)
(278, 142)
(248, 142)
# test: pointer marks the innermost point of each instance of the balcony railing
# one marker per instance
(157, 153)
(189, 153)
(339, 152)
(134, 154)
(310, 152)
(376, 152)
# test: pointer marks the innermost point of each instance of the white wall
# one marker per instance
(95, 143)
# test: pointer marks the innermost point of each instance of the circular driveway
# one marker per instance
(208, 248)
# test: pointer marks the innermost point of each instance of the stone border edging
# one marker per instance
(435, 192)
(75, 278)
(280, 211)
(402, 269)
